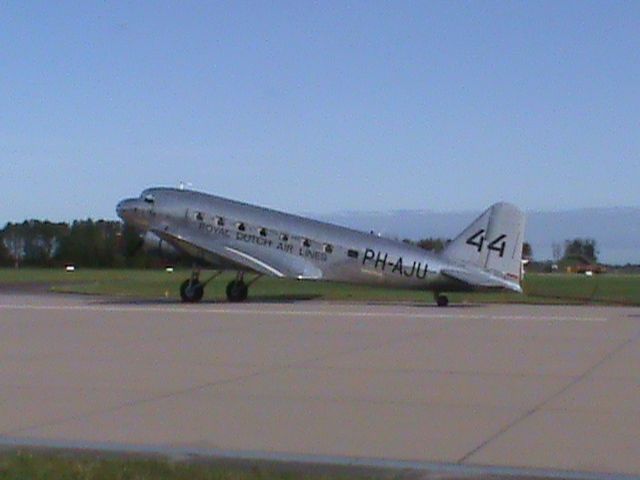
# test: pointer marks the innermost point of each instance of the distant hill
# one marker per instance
(617, 230)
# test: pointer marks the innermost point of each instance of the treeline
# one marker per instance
(111, 244)
(91, 244)
(438, 244)
(86, 243)
(582, 249)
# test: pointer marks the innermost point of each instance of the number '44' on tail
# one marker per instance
(489, 252)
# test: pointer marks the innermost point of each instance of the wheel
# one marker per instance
(442, 300)
(191, 292)
(237, 291)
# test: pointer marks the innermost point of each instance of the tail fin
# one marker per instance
(492, 242)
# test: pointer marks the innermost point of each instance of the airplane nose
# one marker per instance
(120, 208)
(125, 206)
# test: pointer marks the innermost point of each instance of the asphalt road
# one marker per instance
(502, 386)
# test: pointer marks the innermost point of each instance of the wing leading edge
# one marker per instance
(272, 265)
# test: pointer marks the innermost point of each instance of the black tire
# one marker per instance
(237, 291)
(442, 300)
(191, 292)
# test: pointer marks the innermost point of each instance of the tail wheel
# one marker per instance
(442, 300)
(237, 291)
(191, 292)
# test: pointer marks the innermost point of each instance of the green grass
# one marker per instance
(608, 288)
(154, 284)
(86, 466)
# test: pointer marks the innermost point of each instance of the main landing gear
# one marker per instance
(441, 300)
(237, 290)
(192, 289)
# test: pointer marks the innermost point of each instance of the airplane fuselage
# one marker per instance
(202, 224)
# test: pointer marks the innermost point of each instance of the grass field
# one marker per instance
(152, 284)
(87, 466)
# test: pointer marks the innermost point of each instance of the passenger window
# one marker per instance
(263, 232)
(306, 243)
(199, 216)
(220, 221)
(328, 248)
(284, 237)
(352, 253)
(240, 226)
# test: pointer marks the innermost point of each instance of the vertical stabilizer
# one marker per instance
(492, 242)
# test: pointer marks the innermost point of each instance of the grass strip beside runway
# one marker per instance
(153, 284)
(87, 466)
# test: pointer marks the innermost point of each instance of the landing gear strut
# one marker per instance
(192, 289)
(441, 300)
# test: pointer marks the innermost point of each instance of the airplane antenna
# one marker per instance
(182, 185)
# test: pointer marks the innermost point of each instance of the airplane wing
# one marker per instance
(266, 262)
(477, 278)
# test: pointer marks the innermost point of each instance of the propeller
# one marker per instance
(132, 240)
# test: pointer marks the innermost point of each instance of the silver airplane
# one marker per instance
(230, 235)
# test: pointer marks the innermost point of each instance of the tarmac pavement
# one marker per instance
(515, 386)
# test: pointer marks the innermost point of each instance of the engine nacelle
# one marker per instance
(154, 245)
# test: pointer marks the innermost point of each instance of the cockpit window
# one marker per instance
(148, 198)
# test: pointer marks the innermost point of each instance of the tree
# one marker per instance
(434, 244)
(42, 239)
(584, 249)
(90, 244)
(5, 259)
(14, 240)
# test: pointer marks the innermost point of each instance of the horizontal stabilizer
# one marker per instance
(481, 279)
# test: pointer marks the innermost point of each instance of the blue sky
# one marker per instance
(319, 106)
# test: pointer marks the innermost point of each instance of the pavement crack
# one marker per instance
(552, 397)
